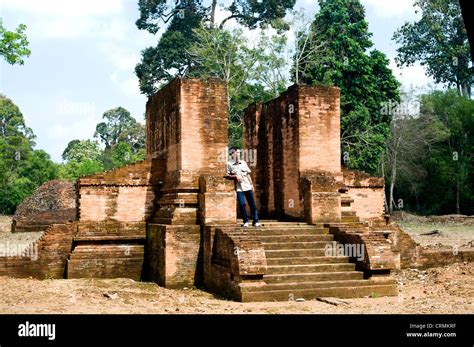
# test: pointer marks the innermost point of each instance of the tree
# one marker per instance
(251, 73)
(439, 42)
(74, 169)
(435, 177)
(14, 44)
(118, 120)
(169, 58)
(22, 169)
(120, 155)
(154, 13)
(124, 141)
(309, 49)
(81, 150)
(135, 136)
(451, 165)
(411, 138)
(364, 77)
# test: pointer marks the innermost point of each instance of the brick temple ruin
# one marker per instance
(172, 218)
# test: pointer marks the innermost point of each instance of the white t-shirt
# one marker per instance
(240, 169)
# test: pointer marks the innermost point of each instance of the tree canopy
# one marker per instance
(439, 42)
(364, 77)
(22, 169)
(14, 44)
(170, 58)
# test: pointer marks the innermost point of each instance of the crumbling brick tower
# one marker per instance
(187, 136)
(299, 174)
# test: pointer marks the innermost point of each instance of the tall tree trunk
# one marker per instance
(465, 91)
(213, 11)
(457, 196)
(392, 186)
(385, 205)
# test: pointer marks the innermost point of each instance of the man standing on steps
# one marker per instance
(238, 170)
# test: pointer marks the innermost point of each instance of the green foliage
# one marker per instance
(121, 154)
(170, 58)
(124, 141)
(82, 158)
(74, 169)
(251, 72)
(118, 120)
(439, 42)
(365, 80)
(250, 13)
(22, 169)
(78, 150)
(448, 186)
(14, 44)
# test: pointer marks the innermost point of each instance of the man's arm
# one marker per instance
(228, 175)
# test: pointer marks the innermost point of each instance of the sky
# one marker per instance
(84, 53)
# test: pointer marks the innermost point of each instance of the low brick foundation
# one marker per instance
(45, 258)
(106, 261)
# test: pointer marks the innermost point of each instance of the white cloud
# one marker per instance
(70, 19)
(122, 57)
(65, 8)
(390, 8)
(127, 85)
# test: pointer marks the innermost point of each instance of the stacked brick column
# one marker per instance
(187, 132)
(296, 134)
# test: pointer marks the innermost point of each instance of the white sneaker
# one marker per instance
(246, 225)
(257, 225)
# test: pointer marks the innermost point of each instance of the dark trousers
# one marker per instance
(241, 196)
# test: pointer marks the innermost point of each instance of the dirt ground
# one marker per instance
(449, 230)
(448, 289)
(441, 290)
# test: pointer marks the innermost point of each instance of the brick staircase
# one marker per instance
(297, 266)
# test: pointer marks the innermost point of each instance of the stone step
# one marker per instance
(108, 237)
(313, 293)
(294, 245)
(286, 223)
(351, 219)
(314, 276)
(348, 213)
(315, 284)
(294, 238)
(306, 260)
(283, 225)
(291, 269)
(291, 253)
(286, 231)
(346, 199)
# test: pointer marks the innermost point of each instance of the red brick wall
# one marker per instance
(296, 132)
(173, 252)
(106, 261)
(187, 128)
(50, 254)
(319, 128)
(367, 193)
(125, 194)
